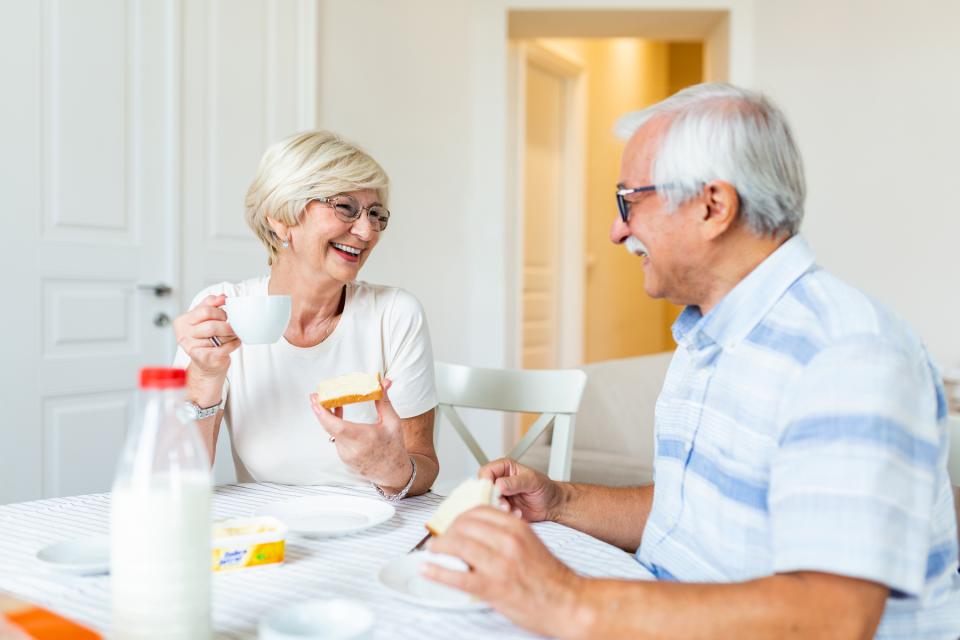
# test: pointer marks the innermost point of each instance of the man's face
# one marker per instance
(671, 264)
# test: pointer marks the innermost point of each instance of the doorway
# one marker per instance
(550, 89)
(596, 287)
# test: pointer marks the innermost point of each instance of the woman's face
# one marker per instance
(324, 243)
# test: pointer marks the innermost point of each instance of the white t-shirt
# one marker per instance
(275, 436)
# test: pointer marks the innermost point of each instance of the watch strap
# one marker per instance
(200, 413)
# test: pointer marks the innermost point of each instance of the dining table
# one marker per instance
(326, 568)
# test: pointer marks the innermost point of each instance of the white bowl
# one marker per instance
(80, 556)
(258, 319)
(337, 619)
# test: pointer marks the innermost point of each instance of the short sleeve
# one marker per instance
(853, 482)
(408, 357)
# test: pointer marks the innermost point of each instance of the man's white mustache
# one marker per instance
(634, 246)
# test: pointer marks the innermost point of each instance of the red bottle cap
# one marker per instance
(162, 378)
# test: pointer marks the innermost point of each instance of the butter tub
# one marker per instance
(247, 542)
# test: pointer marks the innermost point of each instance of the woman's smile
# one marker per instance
(346, 252)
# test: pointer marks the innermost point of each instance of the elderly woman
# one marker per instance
(318, 204)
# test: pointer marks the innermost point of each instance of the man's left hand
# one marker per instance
(510, 568)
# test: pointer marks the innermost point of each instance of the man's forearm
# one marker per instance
(616, 515)
(800, 605)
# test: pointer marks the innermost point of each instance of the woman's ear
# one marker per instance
(279, 229)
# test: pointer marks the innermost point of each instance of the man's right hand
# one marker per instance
(536, 496)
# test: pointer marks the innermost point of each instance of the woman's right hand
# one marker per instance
(194, 330)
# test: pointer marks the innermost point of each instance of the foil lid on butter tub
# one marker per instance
(247, 542)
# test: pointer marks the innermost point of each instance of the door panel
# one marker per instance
(82, 434)
(105, 133)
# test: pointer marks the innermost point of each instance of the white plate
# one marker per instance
(402, 576)
(81, 556)
(337, 618)
(327, 516)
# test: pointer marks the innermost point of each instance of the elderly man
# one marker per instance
(800, 479)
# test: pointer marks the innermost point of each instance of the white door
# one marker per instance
(95, 146)
(550, 117)
(543, 175)
(106, 105)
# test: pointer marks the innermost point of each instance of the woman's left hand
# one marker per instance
(375, 451)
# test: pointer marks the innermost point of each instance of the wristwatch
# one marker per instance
(196, 412)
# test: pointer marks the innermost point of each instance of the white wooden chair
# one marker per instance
(553, 393)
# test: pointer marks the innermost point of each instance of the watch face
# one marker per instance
(188, 412)
(194, 412)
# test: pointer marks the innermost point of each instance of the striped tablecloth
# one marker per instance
(344, 567)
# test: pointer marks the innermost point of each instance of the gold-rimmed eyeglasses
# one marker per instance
(348, 209)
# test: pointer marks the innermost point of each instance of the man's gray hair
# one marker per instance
(722, 132)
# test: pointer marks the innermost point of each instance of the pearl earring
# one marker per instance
(285, 244)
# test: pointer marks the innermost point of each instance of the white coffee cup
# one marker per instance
(337, 619)
(258, 319)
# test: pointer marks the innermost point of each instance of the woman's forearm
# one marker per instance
(206, 392)
(427, 470)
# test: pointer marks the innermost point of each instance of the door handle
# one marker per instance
(160, 289)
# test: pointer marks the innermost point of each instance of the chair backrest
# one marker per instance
(553, 393)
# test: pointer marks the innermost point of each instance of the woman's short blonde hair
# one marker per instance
(301, 168)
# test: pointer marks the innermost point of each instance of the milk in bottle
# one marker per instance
(160, 519)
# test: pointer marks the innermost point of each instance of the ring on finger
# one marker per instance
(216, 341)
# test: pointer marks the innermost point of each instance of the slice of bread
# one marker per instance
(349, 388)
(471, 493)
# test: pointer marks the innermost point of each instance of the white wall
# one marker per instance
(396, 78)
(873, 94)
(409, 107)
(870, 88)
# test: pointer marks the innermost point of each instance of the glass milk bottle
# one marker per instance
(160, 519)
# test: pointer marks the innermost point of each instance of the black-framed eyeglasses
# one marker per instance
(623, 205)
(348, 209)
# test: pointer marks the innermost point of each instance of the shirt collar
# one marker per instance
(748, 302)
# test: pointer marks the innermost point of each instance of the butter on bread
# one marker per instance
(472, 492)
(349, 388)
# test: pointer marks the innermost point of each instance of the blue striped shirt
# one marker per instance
(802, 427)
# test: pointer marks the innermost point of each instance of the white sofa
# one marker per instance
(613, 437)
